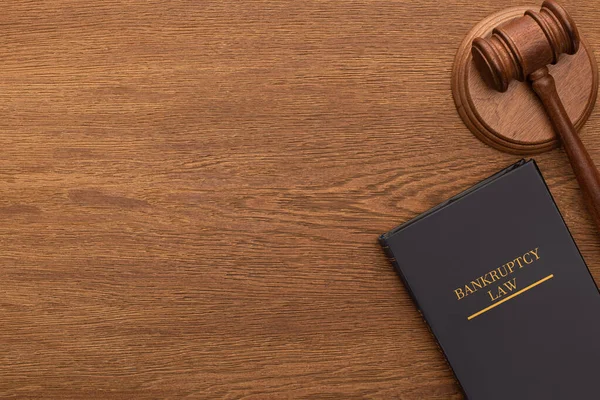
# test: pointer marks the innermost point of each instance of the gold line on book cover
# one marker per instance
(511, 297)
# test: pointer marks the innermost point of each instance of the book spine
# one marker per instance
(390, 256)
(392, 259)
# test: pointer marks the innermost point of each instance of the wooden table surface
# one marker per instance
(192, 193)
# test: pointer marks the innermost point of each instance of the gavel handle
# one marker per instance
(583, 166)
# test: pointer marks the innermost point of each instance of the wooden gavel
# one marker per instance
(522, 49)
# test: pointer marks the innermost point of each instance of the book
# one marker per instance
(499, 280)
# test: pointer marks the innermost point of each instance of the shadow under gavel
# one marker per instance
(522, 49)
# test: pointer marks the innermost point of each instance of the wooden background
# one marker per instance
(192, 193)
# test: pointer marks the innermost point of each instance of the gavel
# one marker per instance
(521, 49)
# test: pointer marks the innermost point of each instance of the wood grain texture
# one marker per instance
(192, 192)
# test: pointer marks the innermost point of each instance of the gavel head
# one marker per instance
(524, 45)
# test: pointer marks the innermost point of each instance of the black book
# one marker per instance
(499, 280)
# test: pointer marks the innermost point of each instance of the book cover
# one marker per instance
(499, 280)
